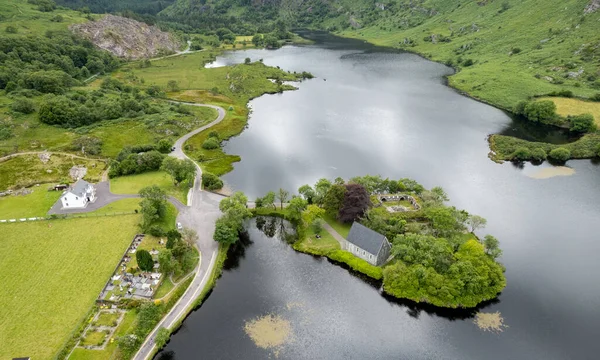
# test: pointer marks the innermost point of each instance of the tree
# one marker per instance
(189, 236)
(269, 199)
(444, 220)
(307, 192)
(165, 259)
(492, 246)
(128, 343)
(179, 170)
(162, 336)
(295, 208)
(211, 181)
(582, 123)
(321, 188)
(476, 222)
(235, 210)
(144, 260)
(247, 61)
(282, 196)
(317, 226)
(224, 233)
(165, 146)
(560, 154)
(356, 201)
(210, 143)
(311, 213)
(333, 199)
(538, 154)
(173, 237)
(172, 85)
(153, 205)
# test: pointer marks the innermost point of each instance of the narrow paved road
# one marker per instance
(201, 214)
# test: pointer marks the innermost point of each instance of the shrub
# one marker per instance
(213, 134)
(522, 153)
(165, 145)
(24, 106)
(210, 143)
(11, 29)
(156, 231)
(211, 181)
(598, 150)
(356, 264)
(540, 111)
(538, 154)
(582, 123)
(560, 154)
(595, 97)
(467, 63)
(516, 50)
(247, 61)
(566, 93)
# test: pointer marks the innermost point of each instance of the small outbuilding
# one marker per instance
(80, 194)
(368, 245)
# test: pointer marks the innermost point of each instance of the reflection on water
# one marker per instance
(527, 130)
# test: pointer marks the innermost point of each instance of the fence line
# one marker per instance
(66, 216)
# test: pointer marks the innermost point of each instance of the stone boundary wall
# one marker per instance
(400, 197)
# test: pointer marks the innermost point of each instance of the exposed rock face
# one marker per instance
(126, 37)
(592, 7)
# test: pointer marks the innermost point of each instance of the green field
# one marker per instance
(52, 272)
(107, 319)
(341, 228)
(28, 170)
(310, 244)
(32, 205)
(132, 184)
(567, 106)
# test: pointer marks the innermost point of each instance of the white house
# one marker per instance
(79, 195)
(368, 245)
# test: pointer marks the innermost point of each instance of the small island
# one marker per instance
(394, 231)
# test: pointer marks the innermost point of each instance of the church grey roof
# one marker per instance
(80, 187)
(365, 238)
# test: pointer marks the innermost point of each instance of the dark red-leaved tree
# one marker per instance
(356, 202)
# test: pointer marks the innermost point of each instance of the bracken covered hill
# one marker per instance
(127, 38)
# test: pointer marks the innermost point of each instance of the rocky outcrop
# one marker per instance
(592, 7)
(127, 38)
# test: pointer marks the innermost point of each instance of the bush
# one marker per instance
(165, 145)
(538, 154)
(566, 93)
(467, 63)
(156, 231)
(24, 106)
(247, 61)
(213, 134)
(516, 50)
(598, 150)
(560, 154)
(522, 154)
(540, 111)
(211, 181)
(210, 143)
(356, 264)
(11, 29)
(582, 123)
(595, 97)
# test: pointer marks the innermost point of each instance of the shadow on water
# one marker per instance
(237, 252)
(522, 128)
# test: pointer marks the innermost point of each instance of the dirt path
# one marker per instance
(8, 157)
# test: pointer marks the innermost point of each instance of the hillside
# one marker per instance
(127, 38)
(106, 6)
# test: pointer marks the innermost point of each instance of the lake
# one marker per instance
(375, 111)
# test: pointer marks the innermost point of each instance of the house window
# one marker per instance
(363, 252)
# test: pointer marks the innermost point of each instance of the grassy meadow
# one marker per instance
(27, 170)
(132, 184)
(31, 205)
(570, 106)
(52, 272)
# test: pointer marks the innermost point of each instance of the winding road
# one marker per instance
(201, 215)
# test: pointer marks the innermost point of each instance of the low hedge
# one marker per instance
(504, 147)
(356, 263)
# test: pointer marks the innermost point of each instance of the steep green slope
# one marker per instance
(107, 6)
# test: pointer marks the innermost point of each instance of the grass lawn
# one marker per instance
(119, 206)
(164, 288)
(95, 338)
(342, 229)
(31, 205)
(107, 319)
(310, 244)
(51, 273)
(132, 184)
(111, 351)
(570, 106)
(27, 170)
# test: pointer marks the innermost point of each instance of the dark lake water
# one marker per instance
(388, 113)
